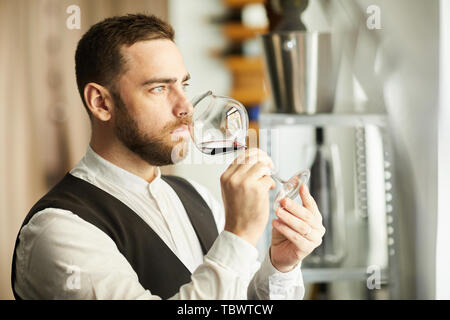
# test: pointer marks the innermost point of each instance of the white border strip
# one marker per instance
(443, 225)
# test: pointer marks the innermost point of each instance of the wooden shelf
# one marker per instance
(245, 64)
(248, 79)
(240, 3)
(238, 32)
(249, 85)
(250, 96)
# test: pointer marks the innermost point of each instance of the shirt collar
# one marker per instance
(103, 169)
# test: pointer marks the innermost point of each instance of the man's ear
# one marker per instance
(98, 101)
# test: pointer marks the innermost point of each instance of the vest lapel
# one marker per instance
(198, 211)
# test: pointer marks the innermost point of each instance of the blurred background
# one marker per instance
(353, 90)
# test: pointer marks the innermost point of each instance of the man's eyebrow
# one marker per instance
(186, 77)
(165, 80)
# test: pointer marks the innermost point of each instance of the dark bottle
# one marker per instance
(324, 187)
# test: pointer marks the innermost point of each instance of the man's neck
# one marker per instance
(121, 156)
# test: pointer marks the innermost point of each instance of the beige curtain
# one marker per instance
(44, 130)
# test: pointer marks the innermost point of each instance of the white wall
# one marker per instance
(411, 93)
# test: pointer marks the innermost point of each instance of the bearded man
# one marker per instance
(115, 228)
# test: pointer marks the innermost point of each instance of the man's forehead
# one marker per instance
(151, 50)
(154, 58)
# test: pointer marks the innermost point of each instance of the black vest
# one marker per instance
(158, 268)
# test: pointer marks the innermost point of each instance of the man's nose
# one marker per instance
(183, 106)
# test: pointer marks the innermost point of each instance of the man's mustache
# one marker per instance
(178, 123)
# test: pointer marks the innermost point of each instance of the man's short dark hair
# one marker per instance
(98, 58)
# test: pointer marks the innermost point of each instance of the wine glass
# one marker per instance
(220, 125)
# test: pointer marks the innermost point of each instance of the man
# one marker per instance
(114, 228)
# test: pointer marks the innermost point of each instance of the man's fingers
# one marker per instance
(251, 156)
(308, 200)
(254, 158)
(258, 170)
(299, 211)
(245, 158)
(260, 173)
(253, 166)
(299, 241)
(268, 181)
(299, 226)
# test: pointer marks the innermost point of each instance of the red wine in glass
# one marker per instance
(220, 147)
(220, 126)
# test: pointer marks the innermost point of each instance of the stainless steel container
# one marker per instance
(301, 71)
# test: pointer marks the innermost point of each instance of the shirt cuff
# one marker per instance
(282, 285)
(268, 269)
(234, 253)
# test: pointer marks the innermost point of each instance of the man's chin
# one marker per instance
(180, 151)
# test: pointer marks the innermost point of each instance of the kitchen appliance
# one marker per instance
(299, 64)
(301, 71)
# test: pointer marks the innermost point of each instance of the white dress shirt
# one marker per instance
(61, 256)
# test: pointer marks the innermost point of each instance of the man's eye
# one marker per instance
(185, 86)
(158, 89)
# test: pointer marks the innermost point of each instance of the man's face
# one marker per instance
(152, 112)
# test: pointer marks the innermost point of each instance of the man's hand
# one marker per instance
(245, 192)
(297, 231)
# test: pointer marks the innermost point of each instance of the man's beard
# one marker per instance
(159, 150)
